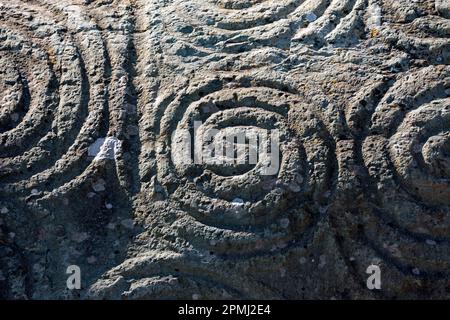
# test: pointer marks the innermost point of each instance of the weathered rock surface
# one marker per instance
(93, 93)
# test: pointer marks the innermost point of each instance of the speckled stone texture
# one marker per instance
(93, 93)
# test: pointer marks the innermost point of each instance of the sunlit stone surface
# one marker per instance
(95, 96)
